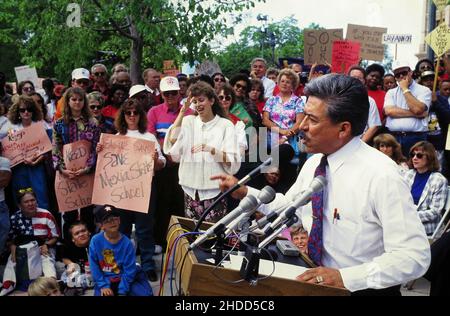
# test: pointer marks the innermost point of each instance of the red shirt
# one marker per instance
(378, 96)
(110, 111)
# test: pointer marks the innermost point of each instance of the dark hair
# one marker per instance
(346, 98)
(389, 75)
(22, 193)
(228, 90)
(241, 77)
(416, 69)
(204, 89)
(67, 111)
(21, 84)
(76, 223)
(429, 150)
(43, 106)
(14, 115)
(258, 84)
(376, 67)
(121, 124)
(113, 90)
(207, 79)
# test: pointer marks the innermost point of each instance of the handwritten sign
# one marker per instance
(169, 68)
(26, 143)
(344, 55)
(207, 68)
(124, 172)
(397, 38)
(76, 193)
(370, 39)
(439, 39)
(27, 73)
(319, 43)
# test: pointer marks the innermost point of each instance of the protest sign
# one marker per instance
(124, 172)
(207, 68)
(344, 55)
(439, 39)
(397, 38)
(29, 142)
(169, 68)
(28, 73)
(319, 43)
(370, 39)
(76, 193)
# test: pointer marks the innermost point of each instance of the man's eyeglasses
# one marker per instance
(418, 155)
(131, 113)
(95, 107)
(170, 93)
(225, 97)
(401, 74)
(99, 74)
(27, 109)
(82, 82)
(219, 79)
(238, 86)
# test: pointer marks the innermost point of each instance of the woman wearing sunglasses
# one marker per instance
(428, 186)
(131, 121)
(219, 81)
(96, 103)
(77, 123)
(30, 173)
(242, 108)
(205, 145)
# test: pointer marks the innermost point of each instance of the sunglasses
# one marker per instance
(418, 155)
(99, 74)
(28, 89)
(225, 97)
(170, 93)
(130, 113)
(238, 86)
(219, 79)
(401, 74)
(95, 107)
(27, 109)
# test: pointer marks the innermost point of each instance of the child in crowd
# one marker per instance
(112, 259)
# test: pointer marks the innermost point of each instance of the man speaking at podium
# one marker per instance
(365, 234)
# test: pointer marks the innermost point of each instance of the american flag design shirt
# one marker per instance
(41, 227)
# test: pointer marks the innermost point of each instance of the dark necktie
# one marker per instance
(315, 243)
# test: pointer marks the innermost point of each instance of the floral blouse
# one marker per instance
(284, 115)
(82, 129)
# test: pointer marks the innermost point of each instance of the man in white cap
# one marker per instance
(170, 195)
(406, 108)
(81, 79)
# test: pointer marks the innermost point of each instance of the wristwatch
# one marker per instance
(406, 91)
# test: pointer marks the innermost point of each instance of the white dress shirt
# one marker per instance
(374, 116)
(379, 240)
(269, 85)
(395, 97)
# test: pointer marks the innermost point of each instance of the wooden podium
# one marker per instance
(198, 279)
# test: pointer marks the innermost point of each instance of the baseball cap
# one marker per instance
(80, 73)
(169, 84)
(397, 64)
(103, 212)
(427, 73)
(136, 89)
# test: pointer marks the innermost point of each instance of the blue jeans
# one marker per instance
(139, 287)
(407, 141)
(4, 225)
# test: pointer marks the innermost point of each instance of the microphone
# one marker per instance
(317, 184)
(246, 205)
(265, 196)
(255, 172)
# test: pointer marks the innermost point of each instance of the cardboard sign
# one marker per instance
(73, 194)
(439, 39)
(207, 68)
(344, 55)
(169, 68)
(26, 143)
(28, 73)
(397, 38)
(370, 39)
(319, 43)
(124, 173)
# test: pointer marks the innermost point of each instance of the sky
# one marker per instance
(338, 13)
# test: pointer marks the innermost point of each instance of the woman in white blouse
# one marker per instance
(204, 145)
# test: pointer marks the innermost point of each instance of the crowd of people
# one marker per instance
(200, 126)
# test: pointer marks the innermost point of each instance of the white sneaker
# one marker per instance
(158, 249)
(4, 291)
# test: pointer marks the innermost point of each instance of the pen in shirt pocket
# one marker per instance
(336, 216)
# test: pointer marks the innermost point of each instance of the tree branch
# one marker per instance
(116, 26)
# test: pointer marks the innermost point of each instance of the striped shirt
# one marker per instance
(41, 227)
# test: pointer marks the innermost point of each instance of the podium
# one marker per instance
(202, 279)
